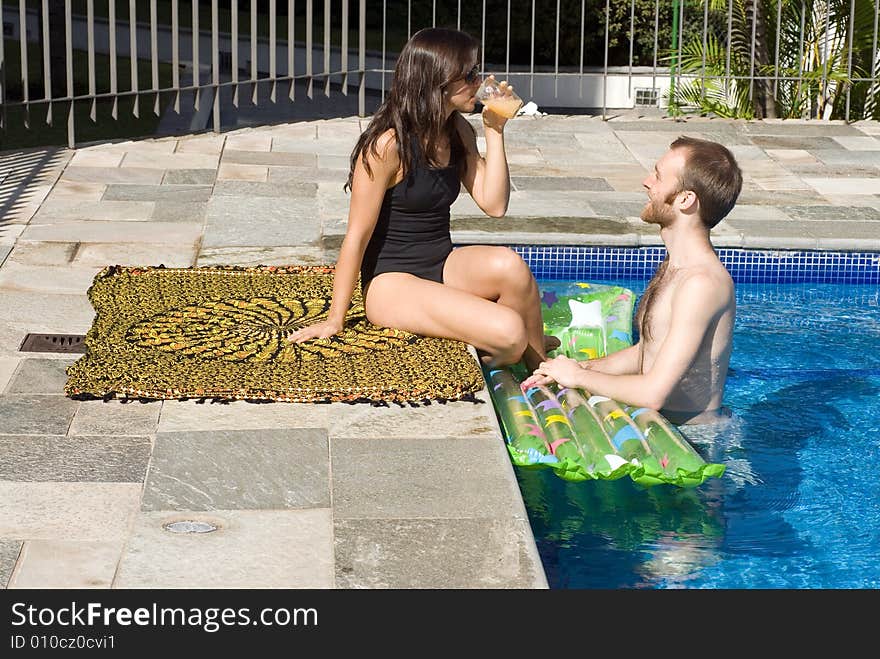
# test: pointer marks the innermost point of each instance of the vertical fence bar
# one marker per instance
(154, 55)
(254, 54)
(68, 56)
(874, 59)
(384, 10)
(483, 39)
(272, 39)
(291, 42)
(433, 14)
(133, 49)
(408, 19)
(343, 48)
(605, 67)
(776, 57)
(215, 62)
(458, 23)
(532, 59)
(581, 54)
(632, 39)
(175, 53)
(729, 46)
(196, 34)
(824, 88)
(703, 54)
(507, 48)
(362, 57)
(801, 56)
(752, 54)
(851, 28)
(309, 19)
(656, 45)
(233, 28)
(2, 73)
(22, 41)
(556, 55)
(114, 88)
(47, 60)
(90, 18)
(327, 47)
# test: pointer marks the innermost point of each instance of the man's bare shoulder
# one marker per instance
(708, 284)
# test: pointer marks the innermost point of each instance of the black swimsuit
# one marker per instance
(412, 232)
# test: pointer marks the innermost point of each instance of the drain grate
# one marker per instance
(53, 343)
(190, 526)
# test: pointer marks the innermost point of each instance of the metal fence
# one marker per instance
(734, 58)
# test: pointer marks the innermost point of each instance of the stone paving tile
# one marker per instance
(181, 416)
(405, 478)
(780, 197)
(103, 158)
(236, 172)
(857, 143)
(799, 142)
(52, 212)
(468, 419)
(239, 470)
(189, 176)
(793, 156)
(250, 549)
(43, 310)
(67, 564)
(248, 141)
(277, 158)
(756, 212)
(844, 157)
(4, 252)
(436, 553)
(113, 174)
(36, 415)
(844, 230)
(10, 232)
(179, 211)
(115, 418)
(847, 186)
(35, 458)
(297, 189)
(560, 183)
(103, 254)
(8, 366)
(78, 191)
(835, 213)
(44, 253)
(323, 147)
(9, 552)
(279, 225)
(67, 511)
(40, 376)
(208, 143)
(164, 192)
(186, 233)
(802, 129)
(147, 160)
(47, 278)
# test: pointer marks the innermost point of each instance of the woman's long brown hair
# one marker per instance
(414, 108)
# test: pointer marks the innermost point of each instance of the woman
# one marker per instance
(406, 171)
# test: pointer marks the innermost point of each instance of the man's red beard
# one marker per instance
(659, 212)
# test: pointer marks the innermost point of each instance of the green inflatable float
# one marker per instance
(580, 436)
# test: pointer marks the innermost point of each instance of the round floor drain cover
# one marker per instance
(189, 526)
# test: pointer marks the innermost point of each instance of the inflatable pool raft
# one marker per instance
(580, 436)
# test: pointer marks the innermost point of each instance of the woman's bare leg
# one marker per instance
(426, 307)
(499, 274)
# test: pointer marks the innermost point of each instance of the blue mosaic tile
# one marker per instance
(745, 266)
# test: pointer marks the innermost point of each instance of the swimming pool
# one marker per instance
(799, 503)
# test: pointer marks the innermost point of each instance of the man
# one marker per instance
(686, 315)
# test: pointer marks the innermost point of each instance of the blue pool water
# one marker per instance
(799, 503)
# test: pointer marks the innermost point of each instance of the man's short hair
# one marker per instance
(712, 173)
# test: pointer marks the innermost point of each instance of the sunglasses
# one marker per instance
(473, 75)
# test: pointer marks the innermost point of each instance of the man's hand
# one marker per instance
(322, 330)
(562, 370)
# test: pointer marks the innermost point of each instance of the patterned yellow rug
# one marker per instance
(220, 332)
